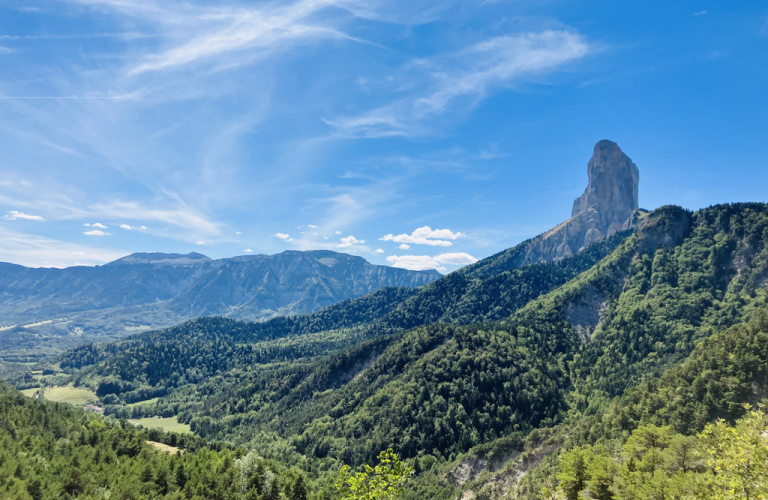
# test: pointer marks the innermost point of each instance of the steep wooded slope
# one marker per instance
(441, 389)
(444, 388)
(722, 373)
(198, 349)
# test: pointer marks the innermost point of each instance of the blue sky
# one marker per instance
(421, 134)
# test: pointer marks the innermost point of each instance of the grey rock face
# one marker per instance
(613, 182)
(608, 205)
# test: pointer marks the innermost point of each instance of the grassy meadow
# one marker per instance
(169, 424)
(77, 396)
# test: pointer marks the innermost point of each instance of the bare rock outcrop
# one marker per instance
(609, 204)
(613, 182)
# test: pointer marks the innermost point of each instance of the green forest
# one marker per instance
(633, 370)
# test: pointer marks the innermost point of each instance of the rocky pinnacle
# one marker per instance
(608, 205)
(613, 181)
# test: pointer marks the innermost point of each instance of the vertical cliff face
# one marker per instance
(613, 182)
(608, 205)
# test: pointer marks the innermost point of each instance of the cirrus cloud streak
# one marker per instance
(469, 74)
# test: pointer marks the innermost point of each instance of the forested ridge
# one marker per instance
(153, 362)
(471, 384)
(628, 333)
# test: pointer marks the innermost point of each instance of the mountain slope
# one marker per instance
(723, 372)
(441, 389)
(142, 291)
(445, 388)
(457, 298)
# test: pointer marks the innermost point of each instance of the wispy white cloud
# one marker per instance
(404, 13)
(425, 262)
(139, 8)
(247, 250)
(210, 32)
(119, 97)
(181, 216)
(39, 251)
(95, 232)
(425, 236)
(469, 74)
(700, 13)
(95, 121)
(152, 123)
(379, 250)
(172, 217)
(36, 137)
(284, 236)
(404, 246)
(14, 215)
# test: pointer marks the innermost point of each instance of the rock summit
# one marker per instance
(609, 204)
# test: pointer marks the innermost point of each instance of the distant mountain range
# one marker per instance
(43, 311)
(49, 309)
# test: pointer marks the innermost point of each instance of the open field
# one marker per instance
(164, 447)
(30, 392)
(141, 403)
(77, 396)
(169, 424)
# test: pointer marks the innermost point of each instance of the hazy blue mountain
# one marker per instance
(150, 290)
